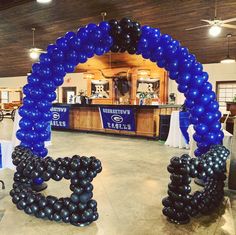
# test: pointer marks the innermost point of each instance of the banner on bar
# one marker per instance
(117, 118)
(60, 116)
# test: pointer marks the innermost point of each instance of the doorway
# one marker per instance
(68, 94)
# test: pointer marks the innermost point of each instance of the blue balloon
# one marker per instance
(25, 144)
(34, 115)
(36, 68)
(215, 127)
(69, 35)
(182, 52)
(21, 135)
(40, 126)
(189, 104)
(91, 27)
(45, 72)
(196, 82)
(210, 138)
(47, 116)
(33, 79)
(197, 110)
(220, 136)
(197, 138)
(69, 68)
(43, 136)
(184, 78)
(51, 96)
(104, 26)
(31, 137)
(44, 106)
(193, 120)
(161, 63)
(27, 89)
(208, 118)
(212, 106)
(201, 129)
(62, 43)
(192, 94)
(82, 58)
(39, 146)
(197, 68)
(23, 112)
(51, 48)
(83, 34)
(58, 81)
(75, 43)
(36, 93)
(58, 70)
(72, 57)
(57, 55)
(45, 59)
(173, 75)
(28, 102)
(206, 87)
(204, 99)
(38, 181)
(25, 124)
(48, 86)
(198, 152)
(182, 88)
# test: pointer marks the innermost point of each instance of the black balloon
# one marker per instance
(180, 205)
(77, 209)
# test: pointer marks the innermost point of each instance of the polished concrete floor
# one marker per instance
(129, 190)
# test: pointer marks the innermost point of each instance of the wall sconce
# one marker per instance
(144, 73)
(88, 75)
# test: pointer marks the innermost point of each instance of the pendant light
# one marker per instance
(34, 52)
(44, 1)
(228, 59)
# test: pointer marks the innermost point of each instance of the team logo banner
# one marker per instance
(60, 117)
(117, 118)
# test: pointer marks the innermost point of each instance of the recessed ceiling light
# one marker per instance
(44, 1)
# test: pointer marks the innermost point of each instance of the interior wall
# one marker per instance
(71, 79)
(217, 72)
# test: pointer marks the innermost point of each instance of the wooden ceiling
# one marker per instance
(51, 21)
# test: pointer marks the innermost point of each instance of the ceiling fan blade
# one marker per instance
(198, 27)
(229, 26)
(208, 21)
(229, 20)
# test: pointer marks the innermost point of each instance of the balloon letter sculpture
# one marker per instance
(61, 58)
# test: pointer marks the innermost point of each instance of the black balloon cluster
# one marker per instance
(180, 205)
(78, 209)
(125, 34)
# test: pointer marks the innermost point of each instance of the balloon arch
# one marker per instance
(61, 58)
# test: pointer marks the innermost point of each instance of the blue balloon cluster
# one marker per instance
(183, 67)
(48, 74)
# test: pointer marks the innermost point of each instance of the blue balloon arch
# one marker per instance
(202, 107)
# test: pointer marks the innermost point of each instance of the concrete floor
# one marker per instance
(128, 191)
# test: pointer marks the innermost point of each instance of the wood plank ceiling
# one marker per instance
(17, 17)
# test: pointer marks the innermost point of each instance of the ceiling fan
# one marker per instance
(216, 24)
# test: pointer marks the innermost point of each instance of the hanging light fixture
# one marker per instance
(34, 52)
(215, 30)
(228, 59)
(44, 1)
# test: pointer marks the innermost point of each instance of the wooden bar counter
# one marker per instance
(87, 118)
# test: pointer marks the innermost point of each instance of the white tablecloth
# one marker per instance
(6, 151)
(226, 141)
(175, 137)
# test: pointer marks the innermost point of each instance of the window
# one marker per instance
(4, 97)
(225, 91)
